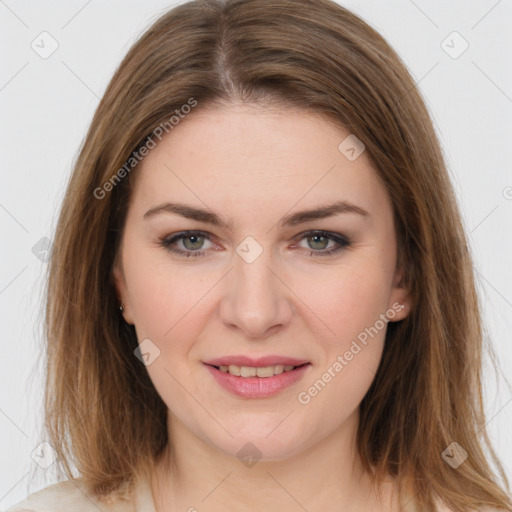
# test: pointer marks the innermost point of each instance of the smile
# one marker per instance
(256, 382)
(251, 371)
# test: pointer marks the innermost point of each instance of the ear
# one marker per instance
(399, 305)
(122, 292)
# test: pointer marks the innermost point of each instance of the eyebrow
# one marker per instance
(293, 219)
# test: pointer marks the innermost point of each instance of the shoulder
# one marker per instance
(64, 497)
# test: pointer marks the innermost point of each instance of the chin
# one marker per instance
(259, 442)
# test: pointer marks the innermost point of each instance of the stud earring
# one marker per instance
(121, 307)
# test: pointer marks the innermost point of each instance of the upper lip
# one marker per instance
(255, 362)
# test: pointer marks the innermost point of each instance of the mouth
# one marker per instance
(256, 381)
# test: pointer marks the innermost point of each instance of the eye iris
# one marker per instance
(193, 237)
(316, 237)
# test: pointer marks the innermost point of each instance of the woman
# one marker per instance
(204, 353)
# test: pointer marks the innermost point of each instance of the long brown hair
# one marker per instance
(103, 413)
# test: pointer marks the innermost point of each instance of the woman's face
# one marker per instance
(250, 278)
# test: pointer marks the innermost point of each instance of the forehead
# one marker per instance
(257, 158)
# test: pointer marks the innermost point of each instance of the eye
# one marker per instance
(192, 243)
(319, 241)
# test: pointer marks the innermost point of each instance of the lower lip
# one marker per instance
(257, 387)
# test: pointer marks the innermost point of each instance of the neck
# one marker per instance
(328, 471)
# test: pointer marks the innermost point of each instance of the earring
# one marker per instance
(121, 307)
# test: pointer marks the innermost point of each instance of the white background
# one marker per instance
(47, 104)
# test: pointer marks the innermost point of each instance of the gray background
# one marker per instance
(47, 104)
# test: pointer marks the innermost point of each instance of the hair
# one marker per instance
(102, 412)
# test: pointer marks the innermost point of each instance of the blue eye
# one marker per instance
(193, 242)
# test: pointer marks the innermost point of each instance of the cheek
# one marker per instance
(166, 303)
(168, 310)
(348, 301)
(336, 390)
(352, 305)
(350, 355)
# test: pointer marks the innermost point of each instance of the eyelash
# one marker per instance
(168, 242)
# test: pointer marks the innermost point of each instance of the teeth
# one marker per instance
(278, 368)
(247, 371)
(250, 371)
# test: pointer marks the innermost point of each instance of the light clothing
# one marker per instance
(68, 497)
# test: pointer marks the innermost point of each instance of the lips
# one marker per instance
(257, 387)
(241, 360)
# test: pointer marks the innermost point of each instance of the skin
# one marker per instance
(253, 165)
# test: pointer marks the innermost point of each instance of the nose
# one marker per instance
(257, 300)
